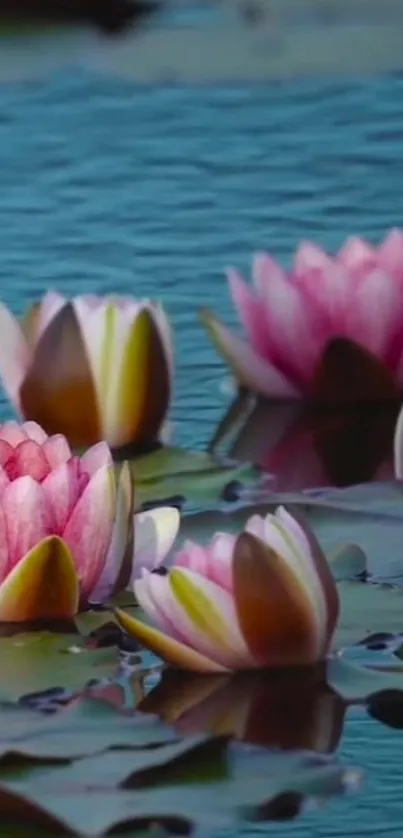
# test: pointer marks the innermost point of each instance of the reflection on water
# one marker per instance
(258, 708)
(341, 435)
(305, 446)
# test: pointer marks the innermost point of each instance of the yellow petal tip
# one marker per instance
(42, 586)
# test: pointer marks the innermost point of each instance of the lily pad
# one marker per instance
(370, 517)
(358, 683)
(33, 662)
(189, 475)
(86, 726)
(180, 760)
(367, 608)
(250, 781)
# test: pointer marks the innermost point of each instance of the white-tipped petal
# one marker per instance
(154, 534)
(89, 529)
(50, 305)
(97, 456)
(120, 540)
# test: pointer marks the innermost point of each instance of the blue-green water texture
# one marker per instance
(106, 186)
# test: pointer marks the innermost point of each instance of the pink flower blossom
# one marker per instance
(291, 318)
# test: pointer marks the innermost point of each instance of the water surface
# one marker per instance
(154, 191)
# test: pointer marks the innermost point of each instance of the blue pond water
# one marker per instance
(109, 187)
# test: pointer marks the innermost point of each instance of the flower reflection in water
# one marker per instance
(289, 710)
(305, 446)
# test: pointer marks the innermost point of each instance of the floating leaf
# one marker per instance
(251, 781)
(189, 475)
(86, 726)
(372, 520)
(367, 608)
(33, 662)
(184, 760)
(348, 561)
(357, 683)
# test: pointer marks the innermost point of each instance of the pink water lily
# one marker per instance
(68, 533)
(264, 598)
(92, 368)
(291, 318)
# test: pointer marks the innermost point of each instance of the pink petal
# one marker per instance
(265, 270)
(82, 477)
(220, 566)
(6, 452)
(296, 329)
(249, 368)
(309, 257)
(357, 256)
(14, 354)
(4, 550)
(97, 456)
(327, 285)
(4, 481)
(35, 432)
(214, 562)
(62, 491)
(89, 530)
(194, 557)
(13, 433)
(375, 313)
(57, 450)
(27, 521)
(390, 255)
(250, 311)
(28, 458)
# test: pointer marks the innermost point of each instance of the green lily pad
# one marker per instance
(59, 798)
(180, 760)
(33, 662)
(86, 726)
(358, 683)
(373, 521)
(366, 609)
(191, 475)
